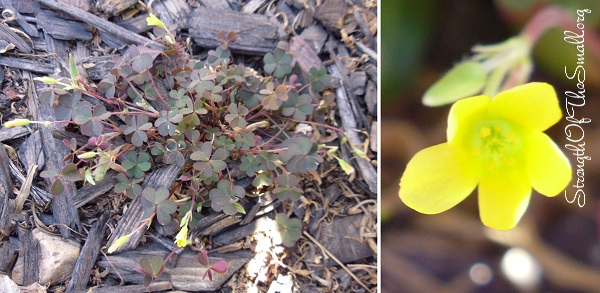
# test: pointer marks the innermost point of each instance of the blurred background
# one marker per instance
(556, 247)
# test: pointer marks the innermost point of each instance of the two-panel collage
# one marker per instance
(286, 146)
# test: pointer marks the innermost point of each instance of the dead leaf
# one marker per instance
(8, 47)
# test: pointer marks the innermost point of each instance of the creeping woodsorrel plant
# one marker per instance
(207, 116)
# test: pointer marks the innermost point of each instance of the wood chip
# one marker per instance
(29, 29)
(12, 38)
(307, 57)
(8, 254)
(89, 253)
(216, 4)
(331, 13)
(27, 64)
(28, 248)
(172, 12)
(101, 24)
(156, 286)
(252, 6)
(358, 79)
(349, 124)
(6, 190)
(63, 29)
(316, 36)
(185, 275)
(12, 133)
(256, 34)
(114, 7)
(371, 98)
(90, 192)
(30, 151)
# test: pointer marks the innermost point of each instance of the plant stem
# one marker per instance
(550, 17)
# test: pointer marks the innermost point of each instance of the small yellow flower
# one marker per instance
(181, 237)
(154, 21)
(497, 145)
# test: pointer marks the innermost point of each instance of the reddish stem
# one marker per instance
(551, 16)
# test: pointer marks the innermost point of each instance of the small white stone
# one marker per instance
(56, 258)
(7, 285)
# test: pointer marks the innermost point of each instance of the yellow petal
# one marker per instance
(533, 105)
(503, 197)
(463, 115)
(438, 178)
(548, 168)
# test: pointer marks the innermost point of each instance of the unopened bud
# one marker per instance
(17, 122)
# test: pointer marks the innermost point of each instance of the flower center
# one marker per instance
(496, 144)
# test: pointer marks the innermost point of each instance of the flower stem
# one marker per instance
(550, 17)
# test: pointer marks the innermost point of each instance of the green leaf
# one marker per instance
(103, 166)
(249, 164)
(83, 113)
(245, 140)
(464, 80)
(164, 210)
(348, 169)
(129, 187)
(291, 229)
(239, 207)
(72, 67)
(263, 179)
(66, 105)
(279, 63)
(50, 172)
(224, 197)
(301, 155)
(136, 126)
(136, 164)
(287, 187)
(89, 178)
(155, 196)
(297, 106)
(319, 79)
(70, 172)
(57, 187)
(236, 116)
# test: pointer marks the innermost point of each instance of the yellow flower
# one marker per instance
(497, 145)
(181, 237)
(154, 21)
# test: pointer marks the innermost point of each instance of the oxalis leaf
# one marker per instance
(297, 106)
(287, 186)
(224, 197)
(301, 155)
(136, 126)
(156, 201)
(290, 229)
(219, 267)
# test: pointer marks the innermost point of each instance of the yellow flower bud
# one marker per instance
(46, 80)
(17, 122)
(118, 243)
(87, 155)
